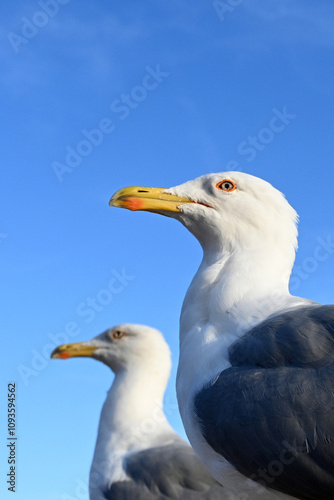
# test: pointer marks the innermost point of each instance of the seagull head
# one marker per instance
(228, 210)
(125, 347)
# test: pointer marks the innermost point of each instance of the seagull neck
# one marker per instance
(134, 400)
(230, 293)
(132, 418)
(237, 286)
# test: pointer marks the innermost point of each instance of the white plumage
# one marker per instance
(137, 454)
(248, 233)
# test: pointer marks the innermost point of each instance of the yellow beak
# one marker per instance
(148, 199)
(78, 350)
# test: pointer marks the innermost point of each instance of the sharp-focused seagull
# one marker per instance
(138, 456)
(255, 380)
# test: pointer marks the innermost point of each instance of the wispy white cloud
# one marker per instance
(92, 40)
(106, 26)
(260, 26)
(289, 22)
(80, 42)
(95, 42)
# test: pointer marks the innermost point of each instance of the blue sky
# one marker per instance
(103, 95)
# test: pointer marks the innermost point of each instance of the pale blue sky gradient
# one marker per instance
(220, 85)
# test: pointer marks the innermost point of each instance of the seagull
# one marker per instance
(255, 381)
(138, 456)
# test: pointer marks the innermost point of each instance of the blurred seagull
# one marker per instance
(138, 456)
(255, 380)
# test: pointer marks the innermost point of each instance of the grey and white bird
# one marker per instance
(255, 380)
(138, 456)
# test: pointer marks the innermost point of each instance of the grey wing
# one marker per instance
(167, 472)
(272, 413)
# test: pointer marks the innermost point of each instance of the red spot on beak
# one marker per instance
(64, 355)
(134, 203)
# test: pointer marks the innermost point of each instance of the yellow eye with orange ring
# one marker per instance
(226, 185)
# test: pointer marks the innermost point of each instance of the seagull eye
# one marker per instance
(118, 334)
(226, 185)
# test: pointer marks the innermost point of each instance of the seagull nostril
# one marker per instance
(142, 191)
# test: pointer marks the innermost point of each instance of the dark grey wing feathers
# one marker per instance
(272, 413)
(166, 472)
(302, 337)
